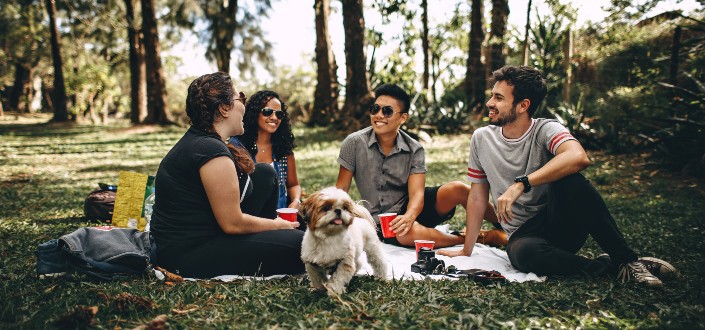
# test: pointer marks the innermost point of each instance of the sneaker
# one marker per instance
(494, 237)
(659, 268)
(636, 271)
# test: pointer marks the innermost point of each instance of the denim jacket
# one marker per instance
(100, 252)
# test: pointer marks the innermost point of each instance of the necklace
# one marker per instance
(257, 148)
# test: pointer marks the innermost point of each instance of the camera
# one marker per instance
(427, 263)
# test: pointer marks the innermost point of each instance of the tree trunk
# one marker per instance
(424, 44)
(325, 103)
(673, 77)
(567, 55)
(156, 90)
(19, 88)
(525, 57)
(475, 77)
(138, 84)
(223, 26)
(358, 94)
(500, 12)
(60, 112)
(435, 69)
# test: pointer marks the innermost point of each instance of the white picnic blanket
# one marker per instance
(484, 257)
(399, 260)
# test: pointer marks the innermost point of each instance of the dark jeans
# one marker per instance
(265, 253)
(547, 243)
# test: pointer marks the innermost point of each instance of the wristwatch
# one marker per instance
(525, 181)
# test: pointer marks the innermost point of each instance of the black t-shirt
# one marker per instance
(182, 214)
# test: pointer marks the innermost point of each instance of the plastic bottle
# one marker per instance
(148, 208)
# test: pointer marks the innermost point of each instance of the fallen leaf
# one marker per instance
(184, 311)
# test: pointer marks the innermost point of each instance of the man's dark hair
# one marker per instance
(528, 84)
(395, 92)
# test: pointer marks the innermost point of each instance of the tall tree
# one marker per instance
(325, 103)
(21, 20)
(59, 100)
(475, 76)
(20, 87)
(500, 12)
(424, 45)
(229, 21)
(358, 93)
(156, 89)
(138, 83)
(525, 56)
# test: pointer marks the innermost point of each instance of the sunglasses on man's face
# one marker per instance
(387, 110)
(269, 111)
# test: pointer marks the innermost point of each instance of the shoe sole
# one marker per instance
(666, 271)
(51, 275)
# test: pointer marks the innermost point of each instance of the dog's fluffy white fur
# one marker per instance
(339, 230)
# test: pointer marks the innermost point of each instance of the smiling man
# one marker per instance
(548, 208)
(390, 172)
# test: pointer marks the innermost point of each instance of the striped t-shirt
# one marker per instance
(497, 160)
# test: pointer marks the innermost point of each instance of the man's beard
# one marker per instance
(502, 121)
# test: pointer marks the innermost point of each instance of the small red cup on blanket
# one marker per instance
(423, 243)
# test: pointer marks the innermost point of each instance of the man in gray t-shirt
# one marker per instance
(390, 170)
(531, 167)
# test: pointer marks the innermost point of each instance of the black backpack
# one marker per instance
(99, 204)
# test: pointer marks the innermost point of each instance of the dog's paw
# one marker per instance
(317, 287)
(334, 290)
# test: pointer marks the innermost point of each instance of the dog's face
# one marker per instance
(329, 211)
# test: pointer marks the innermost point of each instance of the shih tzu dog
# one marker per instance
(339, 230)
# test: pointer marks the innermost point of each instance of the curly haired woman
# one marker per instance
(269, 140)
(198, 230)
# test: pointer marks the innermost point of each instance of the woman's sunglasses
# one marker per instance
(269, 111)
(387, 110)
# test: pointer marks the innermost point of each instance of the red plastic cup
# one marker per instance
(423, 243)
(288, 214)
(384, 220)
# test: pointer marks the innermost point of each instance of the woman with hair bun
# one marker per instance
(269, 140)
(198, 230)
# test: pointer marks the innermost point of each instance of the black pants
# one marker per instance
(547, 243)
(263, 254)
(265, 195)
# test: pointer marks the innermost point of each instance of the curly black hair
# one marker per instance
(282, 140)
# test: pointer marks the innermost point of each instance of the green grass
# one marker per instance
(46, 170)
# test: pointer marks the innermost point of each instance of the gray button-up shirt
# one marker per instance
(382, 180)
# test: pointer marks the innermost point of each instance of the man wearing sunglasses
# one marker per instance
(390, 172)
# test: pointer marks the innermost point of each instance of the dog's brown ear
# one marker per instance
(306, 208)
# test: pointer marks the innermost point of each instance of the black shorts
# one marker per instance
(428, 217)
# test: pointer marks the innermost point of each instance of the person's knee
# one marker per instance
(264, 173)
(457, 190)
(526, 255)
(570, 182)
